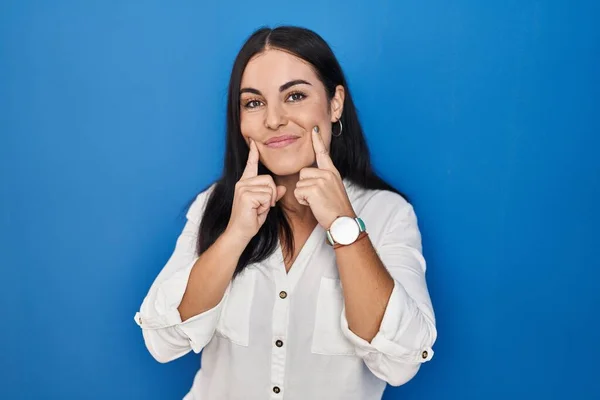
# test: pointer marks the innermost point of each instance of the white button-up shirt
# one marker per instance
(277, 335)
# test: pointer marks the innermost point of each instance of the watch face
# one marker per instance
(344, 230)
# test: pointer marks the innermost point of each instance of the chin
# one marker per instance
(288, 167)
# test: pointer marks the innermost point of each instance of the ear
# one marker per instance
(337, 103)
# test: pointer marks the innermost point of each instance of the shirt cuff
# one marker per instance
(161, 321)
(159, 309)
(201, 328)
(198, 329)
(391, 324)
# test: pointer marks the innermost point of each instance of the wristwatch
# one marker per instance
(345, 230)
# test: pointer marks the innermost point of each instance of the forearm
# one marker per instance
(367, 286)
(210, 276)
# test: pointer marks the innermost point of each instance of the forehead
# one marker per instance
(273, 67)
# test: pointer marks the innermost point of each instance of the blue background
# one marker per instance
(485, 114)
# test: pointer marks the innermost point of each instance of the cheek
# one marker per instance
(250, 126)
(309, 114)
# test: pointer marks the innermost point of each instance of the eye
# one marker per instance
(296, 96)
(252, 104)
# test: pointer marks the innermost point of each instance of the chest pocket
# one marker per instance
(328, 338)
(234, 322)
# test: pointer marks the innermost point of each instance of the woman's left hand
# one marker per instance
(322, 188)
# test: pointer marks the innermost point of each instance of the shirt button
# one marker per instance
(424, 354)
(282, 294)
(276, 389)
(279, 343)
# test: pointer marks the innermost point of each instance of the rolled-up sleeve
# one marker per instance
(408, 330)
(165, 335)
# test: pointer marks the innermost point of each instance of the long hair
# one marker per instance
(349, 151)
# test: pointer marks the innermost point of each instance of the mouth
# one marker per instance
(281, 141)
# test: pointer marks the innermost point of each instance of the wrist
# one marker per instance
(233, 241)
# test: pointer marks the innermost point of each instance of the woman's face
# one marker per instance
(281, 100)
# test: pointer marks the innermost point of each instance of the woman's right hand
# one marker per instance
(253, 198)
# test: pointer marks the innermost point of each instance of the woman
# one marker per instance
(299, 272)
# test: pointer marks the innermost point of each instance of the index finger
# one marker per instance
(321, 153)
(251, 169)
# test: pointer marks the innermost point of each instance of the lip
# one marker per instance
(281, 141)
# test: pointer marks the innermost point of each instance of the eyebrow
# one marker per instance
(283, 87)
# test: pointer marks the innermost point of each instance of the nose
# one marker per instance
(275, 117)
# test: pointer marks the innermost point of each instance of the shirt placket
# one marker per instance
(279, 339)
(285, 284)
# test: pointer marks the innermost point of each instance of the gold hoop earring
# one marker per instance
(341, 129)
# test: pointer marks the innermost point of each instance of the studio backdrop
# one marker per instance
(484, 113)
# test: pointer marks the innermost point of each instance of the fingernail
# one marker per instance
(316, 129)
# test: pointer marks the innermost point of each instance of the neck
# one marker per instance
(296, 212)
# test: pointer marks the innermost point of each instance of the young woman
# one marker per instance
(299, 272)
